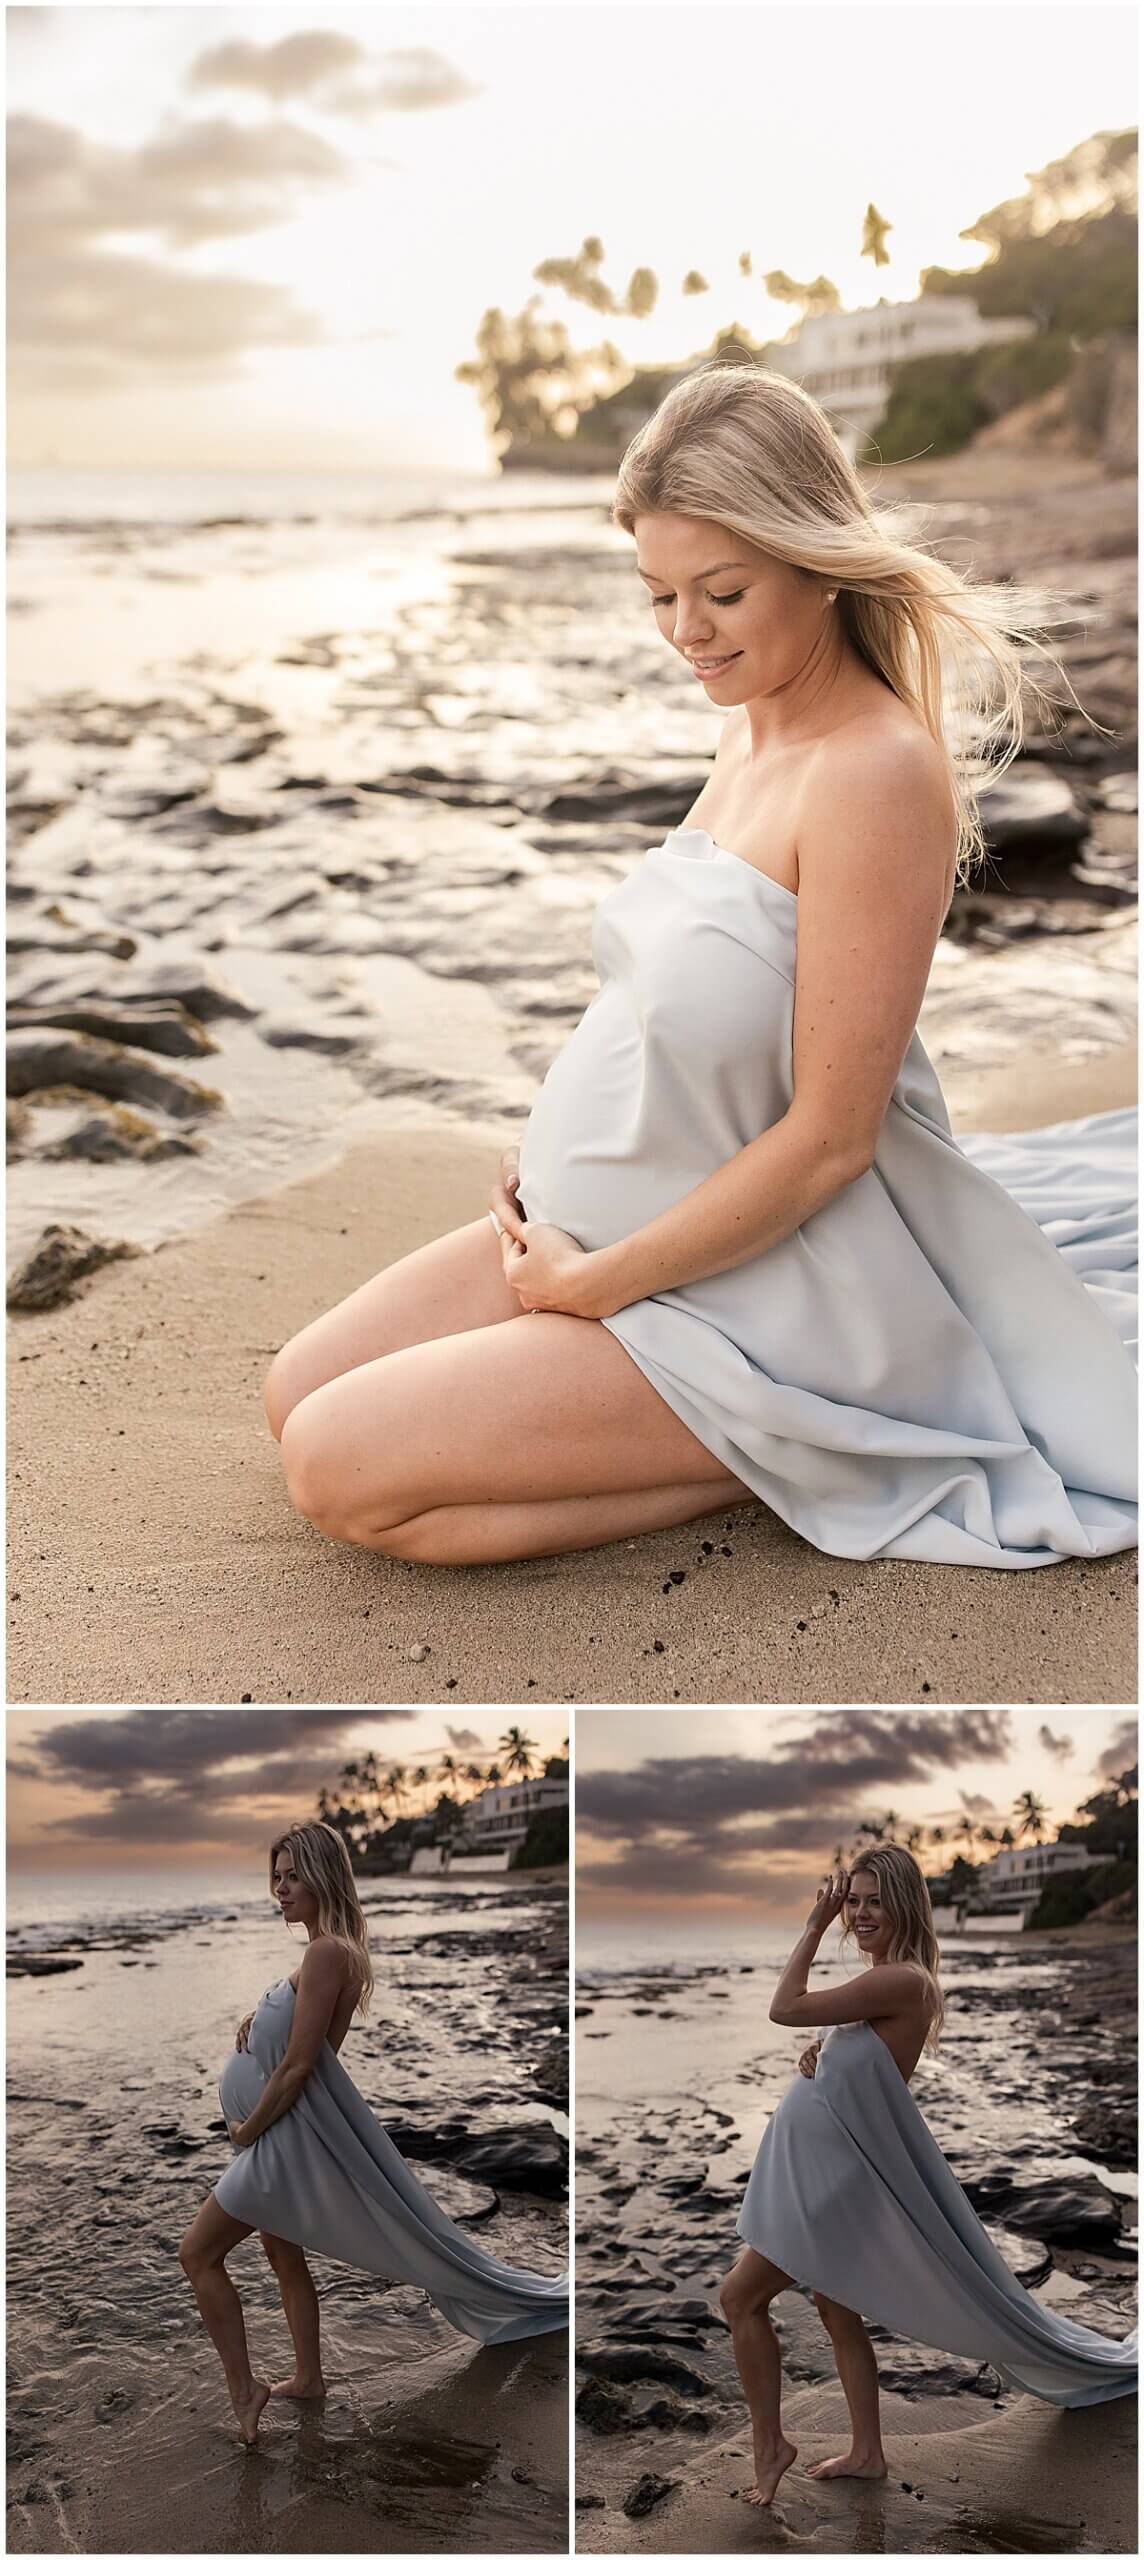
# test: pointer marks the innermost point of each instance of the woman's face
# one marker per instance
(294, 1899)
(716, 596)
(865, 1916)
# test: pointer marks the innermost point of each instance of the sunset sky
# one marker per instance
(122, 1787)
(736, 1812)
(265, 236)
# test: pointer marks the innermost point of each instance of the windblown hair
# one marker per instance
(906, 1902)
(322, 1861)
(751, 451)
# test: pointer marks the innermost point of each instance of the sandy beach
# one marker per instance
(120, 2436)
(1032, 2102)
(154, 1555)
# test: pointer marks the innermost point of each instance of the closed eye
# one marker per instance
(737, 598)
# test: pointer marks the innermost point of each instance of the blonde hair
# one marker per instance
(751, 451)
(906, 1901)
(322, 1860)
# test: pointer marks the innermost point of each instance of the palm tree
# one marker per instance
(398, 1782)
(420, 1778)
(965, 1829)
(475, 1774)
(493, 1774)
(519, 1751)
(914, 1838)
(1007, 1838)
(449, 1769)
(1031, 1813)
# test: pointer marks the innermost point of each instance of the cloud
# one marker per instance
(198, 181)
(1121, 1753)
(463, 1738)
(96, 322)
(336, 73)
(978, 1806)
(722, 1823)
(1061, 1745)
(161, 1776)
(823, 1775)
(86, 316)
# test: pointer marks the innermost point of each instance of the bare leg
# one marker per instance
(518, 1439)
(858, 2374)
(212, 2235)
(745, 2297)
(300, 2304)
(454, 1285)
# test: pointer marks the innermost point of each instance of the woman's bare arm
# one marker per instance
(875, 841)
(320, 1981)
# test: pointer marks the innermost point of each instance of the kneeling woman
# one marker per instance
(851, 2197)
(315, 2170)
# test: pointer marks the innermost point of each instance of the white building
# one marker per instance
(1015, 1878)
(500, 1817)
(845, 358)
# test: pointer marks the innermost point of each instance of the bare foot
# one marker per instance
(769, 2469)
(298, 2388)
(248, 2412)
(849, 2466)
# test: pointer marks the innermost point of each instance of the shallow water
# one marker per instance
(374, 757)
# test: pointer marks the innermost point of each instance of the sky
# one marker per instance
(265, 236)
(736, 1812)
(125, 1787)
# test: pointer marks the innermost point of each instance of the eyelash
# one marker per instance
(737, 598)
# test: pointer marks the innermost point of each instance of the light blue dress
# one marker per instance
(850, 2196)
(327, 2176)
(939, 1363)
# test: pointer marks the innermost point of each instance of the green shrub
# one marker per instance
(1069, 1898)
(545, 1843)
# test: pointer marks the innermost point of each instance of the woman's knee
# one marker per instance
(285, 1384)
(193, 2257)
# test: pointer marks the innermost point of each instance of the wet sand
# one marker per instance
(1033, 2102)
(961, 2478)
(120, 2435)
(155, 1556)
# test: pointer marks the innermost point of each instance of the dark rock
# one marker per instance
(312, 1031)
(41, 1059)
(670, 2417)
(530, 2157)
(550, 2077)
(584, 2497)
(603, 2408)
(201, 990)
(167, 1028)
(44, 1964)
(1028, 805)
(646, 2493)
(641, 2362)
(114, 1132)
(1107, 2131)
(1069, 2211)
(53, 1271)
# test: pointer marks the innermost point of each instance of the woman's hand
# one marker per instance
(234, 2128)
(240, 2040)
(808, 2061)
(503, 1199)
(550, 1273)
(829, 1902)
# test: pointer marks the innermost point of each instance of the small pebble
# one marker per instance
(419, 1653)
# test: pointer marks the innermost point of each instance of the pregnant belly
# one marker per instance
(241, 2086)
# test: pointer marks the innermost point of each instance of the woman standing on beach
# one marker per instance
(315, 2170)
(851, 2198)
(758, 1263)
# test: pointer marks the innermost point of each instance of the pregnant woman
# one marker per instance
(315, 2170)
(851, 2197)
(756, 1262)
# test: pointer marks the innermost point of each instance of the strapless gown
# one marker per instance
(328, 2177)
(936, 1365)
(851, 2197)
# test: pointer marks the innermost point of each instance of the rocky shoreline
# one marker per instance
(114, 2108)
(1035, 2109)
(349, 881)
